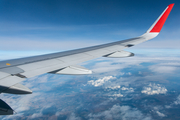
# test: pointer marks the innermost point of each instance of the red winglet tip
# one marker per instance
(171, 5)
(158, 26)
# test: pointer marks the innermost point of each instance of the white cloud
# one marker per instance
(102, 67)
(154, 89)
(170, 64)
(112, 64)
(12, 117)
(166, 66)
(35, 115)
(119, 112)
(43, 79)
(128, 89)
(113, 87)
(157, 111)
(162, 69)
(22, 103)
(73, 117)
(160, 114)
(108, 65)
(117, 95)
(124, 88)
(174, 103)
(177, 102)
(101, 81)
(19, 104)
(40, 113)
(167, 106)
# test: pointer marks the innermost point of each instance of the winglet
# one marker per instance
(158, 24)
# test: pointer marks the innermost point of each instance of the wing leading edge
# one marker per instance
(14, 71)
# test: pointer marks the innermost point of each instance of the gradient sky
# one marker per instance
(30, 27)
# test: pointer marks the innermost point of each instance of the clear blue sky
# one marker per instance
(56, 25)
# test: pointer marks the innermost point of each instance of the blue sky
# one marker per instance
(43, 26)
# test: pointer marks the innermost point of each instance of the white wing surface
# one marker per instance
(14, 71)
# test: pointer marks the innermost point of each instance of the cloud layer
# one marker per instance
(114, 93)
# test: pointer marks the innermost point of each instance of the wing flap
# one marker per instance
(119, 54)
(8, 81)
(73, 70)
(18, 89)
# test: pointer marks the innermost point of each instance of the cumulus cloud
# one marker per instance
(152, 89)
(119, 112)
(117, 95)
(128, 89)
(100, 81)
(113, 87)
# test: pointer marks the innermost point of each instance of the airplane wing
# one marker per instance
(16, 70)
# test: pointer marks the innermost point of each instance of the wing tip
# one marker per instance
(171, 5)
(161, 20)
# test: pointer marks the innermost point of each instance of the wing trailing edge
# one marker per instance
(73, 70)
